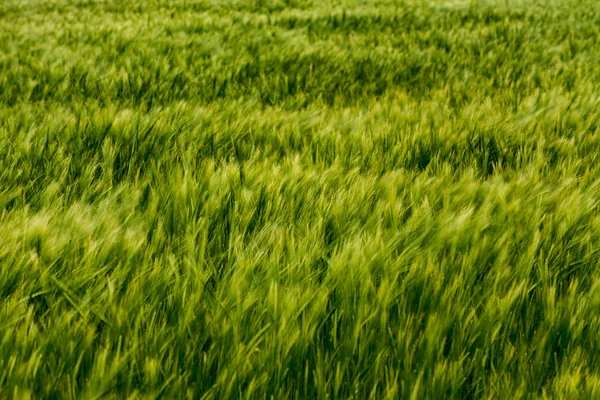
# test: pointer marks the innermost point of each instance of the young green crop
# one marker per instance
(289, 199)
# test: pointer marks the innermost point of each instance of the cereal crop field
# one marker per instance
(296, 199)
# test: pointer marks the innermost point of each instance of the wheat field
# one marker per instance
(327, 199)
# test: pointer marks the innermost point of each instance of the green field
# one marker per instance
(327, 199)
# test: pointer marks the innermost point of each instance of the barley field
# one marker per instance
(296, 199)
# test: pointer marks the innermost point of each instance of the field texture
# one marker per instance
(270, 199)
